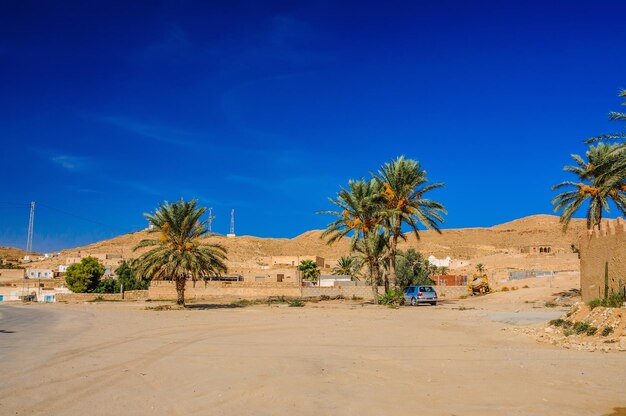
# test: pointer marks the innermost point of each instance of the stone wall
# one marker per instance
(451, 292)
(136, 295)
(86, 297)
(363, 292)
(598, 248)
(166, 290)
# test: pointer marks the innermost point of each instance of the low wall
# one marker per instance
(166, 290)
(86, 297)
(136, 295)
(363, 292)
(451, 292)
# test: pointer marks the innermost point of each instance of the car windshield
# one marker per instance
(426, 289)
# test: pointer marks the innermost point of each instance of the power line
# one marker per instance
(75, 215)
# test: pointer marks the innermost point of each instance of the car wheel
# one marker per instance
(434, 303)
(413, 301)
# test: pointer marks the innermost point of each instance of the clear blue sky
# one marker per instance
(107, 109)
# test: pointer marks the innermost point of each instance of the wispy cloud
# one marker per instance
(70, 163)
(157, 132)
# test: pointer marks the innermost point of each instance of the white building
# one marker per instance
(334, 280)
(39, 273)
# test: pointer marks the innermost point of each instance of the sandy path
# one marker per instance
(103, 359)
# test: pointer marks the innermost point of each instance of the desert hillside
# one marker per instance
(498, 246)
(12, 253)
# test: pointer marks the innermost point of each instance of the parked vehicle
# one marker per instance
(420, 294)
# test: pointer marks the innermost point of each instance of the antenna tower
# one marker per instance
(31, 226)
(232, 223)
(211, 217)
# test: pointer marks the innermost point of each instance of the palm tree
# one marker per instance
(404, 184)
(309, 270)
(614, 170)
(177, 253)
(358, 216)
(597, 185)
(374, 249)
(348, 266)
(480, 268)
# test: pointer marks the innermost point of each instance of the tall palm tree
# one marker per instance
(614, 169)
(480, 268)
(178, 254)
(374, 249)
(404, 185)
(596, 186)
(348, 266)
(358, 216)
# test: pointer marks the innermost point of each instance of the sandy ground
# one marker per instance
(458, 358)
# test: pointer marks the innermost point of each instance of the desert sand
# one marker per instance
(464, 357)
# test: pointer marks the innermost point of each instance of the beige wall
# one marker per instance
(294, 260)
(11, 274)
(162, 290)
(598, 248)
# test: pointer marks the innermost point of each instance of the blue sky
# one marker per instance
(107, 109)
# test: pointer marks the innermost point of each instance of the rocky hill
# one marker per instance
(462, 243)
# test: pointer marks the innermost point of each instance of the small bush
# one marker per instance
(568, 332)
(505, 289)
(580, 327)
(557, 322)
(296, 303)
(525, 287)
(550, 304)
(514, 288)
(614, 300)
(392, 298)
(606, 331)
(355, 297)
(592, 331)
(463, 297)
(324, 297)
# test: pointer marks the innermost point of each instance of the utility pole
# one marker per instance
(31, 225)
(232, 224)
(211, 217)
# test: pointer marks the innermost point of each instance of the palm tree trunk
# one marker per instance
(180, 290)
(374, 278)
(393, 249)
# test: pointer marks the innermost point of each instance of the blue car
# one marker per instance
(420, 294)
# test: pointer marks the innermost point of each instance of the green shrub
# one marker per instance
(557, 322)
(592, 331)
(550, 304)
(580, 327)
(514, 288)
(296, 303)
(568, 332)
(324, 297)
(613, 300)
(392, 298)
(355, 297)
(606, 331)
(505, 289)
(525, 287)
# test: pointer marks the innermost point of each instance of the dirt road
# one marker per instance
(340, 359)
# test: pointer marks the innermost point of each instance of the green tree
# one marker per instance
(404, 184)
(349, 266)
(178, 253)
(358, 216)
(412, 269)
(309, 270)
(596, 186)
(128, 279)
(85, 276)
(480, 268)
(374, 246)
